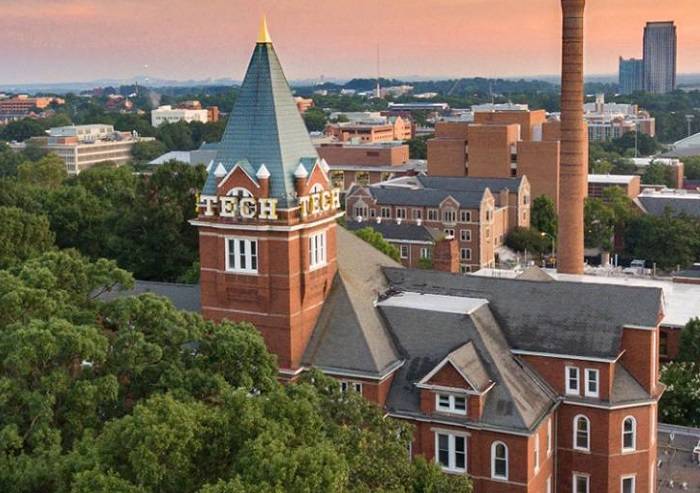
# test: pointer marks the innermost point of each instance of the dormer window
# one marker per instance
(450, 403)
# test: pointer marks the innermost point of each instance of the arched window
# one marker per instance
(239, 192)
(499, 460)
(582, 433)
(629, 434)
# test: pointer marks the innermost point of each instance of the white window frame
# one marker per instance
(401, 213)
(433, 215)
(449, 215)
(634, 434)
(548, 485)
(588, 372)
(537, 452)
(587, 448)
(385, 212)
(425, 253)
(574, 486)
(317, 250)
(404, 251)
(633, 477)
(346, 385)
(451, 452)
(570, 390)
(549, 437)
(418, 214)
(449, 232)
(451, 407)
(465, 254)
(465, 235)
(465, 216)
(250, 257)
(494, 475)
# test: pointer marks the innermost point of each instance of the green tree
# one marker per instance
(527, 240)
(376, 239)
(668, 240)
(658, 174)
(48, 172)
(680, 404)
(692, 167)
(23, 235)
(9, 160)
(143, 152)
(418, 147)
(315, 119)
(176, 136)
(690, 342)
(21, 130)
(544, 215)
(599, 223)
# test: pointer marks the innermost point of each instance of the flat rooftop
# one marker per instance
(611, 179)
(681, 301)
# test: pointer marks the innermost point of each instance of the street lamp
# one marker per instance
(544, 234)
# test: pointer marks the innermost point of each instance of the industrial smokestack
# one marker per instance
(574, 168)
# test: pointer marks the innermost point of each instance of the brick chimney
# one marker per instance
(446, 255)
(573, 168)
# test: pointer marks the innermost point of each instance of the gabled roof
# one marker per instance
(428, 329)
(350, 334)
(424, 197)
(568, 318)
(680, 204)
(470, 183)
(465, 360)
(265, 127)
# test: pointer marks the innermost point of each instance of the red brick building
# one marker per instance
(526, 386)
(477, 212)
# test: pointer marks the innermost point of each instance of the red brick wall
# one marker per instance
(640, 353)
(338, 154)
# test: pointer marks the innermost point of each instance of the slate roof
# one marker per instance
(517, 401)
(466, 359)
(551, 317)
(265, 127)
(350, 333)
(183, 296)
(401, 232)
(657, 204)
(424, 197)
(471, 184)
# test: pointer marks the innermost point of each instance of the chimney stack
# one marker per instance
(574, 168)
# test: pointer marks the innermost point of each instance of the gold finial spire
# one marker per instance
(263, 34)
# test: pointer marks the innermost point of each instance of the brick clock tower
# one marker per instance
(267, 217)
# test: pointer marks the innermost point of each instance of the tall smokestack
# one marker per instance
(573, 172)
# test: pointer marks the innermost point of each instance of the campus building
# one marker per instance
(167, 114)
(526, 386)
(83, 146)
(477, 213)
(499, 144)
(371, 132)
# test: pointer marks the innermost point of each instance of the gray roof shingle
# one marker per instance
(424, 197)
(470, 183)
(183, 296)
(551, 317)
(656, 205)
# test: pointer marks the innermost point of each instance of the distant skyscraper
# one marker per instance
(631, 75)
(659, 57)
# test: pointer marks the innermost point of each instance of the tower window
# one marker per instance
(242, 255)
(317, 250)
(451, 452)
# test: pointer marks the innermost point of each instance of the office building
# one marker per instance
(168, 114)
(631, 77)
(660, 53)
(608, 121)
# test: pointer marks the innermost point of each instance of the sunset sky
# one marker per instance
(76, 40)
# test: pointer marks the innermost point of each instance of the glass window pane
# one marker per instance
(460, 403)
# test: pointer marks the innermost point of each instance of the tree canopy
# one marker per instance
(128, 394)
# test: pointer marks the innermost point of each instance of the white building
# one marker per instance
(607, 121)
(83, 146)
(168, 114)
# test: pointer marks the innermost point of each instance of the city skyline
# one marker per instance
(79, 40)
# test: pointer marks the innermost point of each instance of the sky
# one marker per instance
(83, 40)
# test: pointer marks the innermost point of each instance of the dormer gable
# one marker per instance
(237, 177)
(457, 385)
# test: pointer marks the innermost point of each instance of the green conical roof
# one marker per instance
(265, 127)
